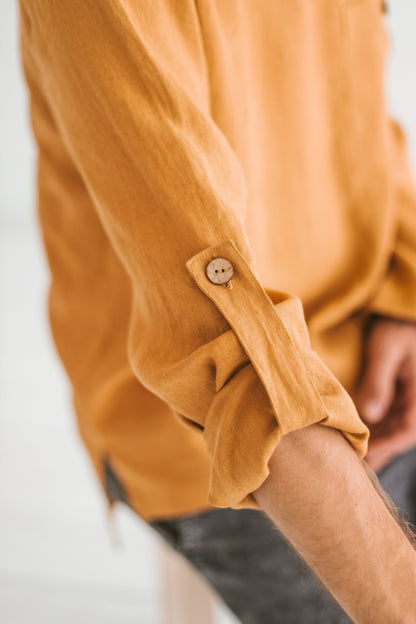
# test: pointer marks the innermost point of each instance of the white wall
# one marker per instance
(401, 75)
(16, 148)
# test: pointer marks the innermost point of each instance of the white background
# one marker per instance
(57, 563)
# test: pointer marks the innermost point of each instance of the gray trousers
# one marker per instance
(255, 570)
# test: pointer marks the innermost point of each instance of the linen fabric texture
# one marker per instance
(173, 133)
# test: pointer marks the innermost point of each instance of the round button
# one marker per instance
(219, 271)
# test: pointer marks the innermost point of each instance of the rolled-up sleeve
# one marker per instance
(128, 86)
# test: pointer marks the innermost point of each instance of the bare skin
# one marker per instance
(343, 524)
(320, 496)
(387, 395)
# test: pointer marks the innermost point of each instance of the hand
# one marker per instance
(387, 393)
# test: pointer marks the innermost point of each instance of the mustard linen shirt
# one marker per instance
(173, 133)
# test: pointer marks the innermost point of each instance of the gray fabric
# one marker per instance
(254, 569)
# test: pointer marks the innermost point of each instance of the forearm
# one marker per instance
(320, 497)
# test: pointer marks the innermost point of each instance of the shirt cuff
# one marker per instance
(283, 385)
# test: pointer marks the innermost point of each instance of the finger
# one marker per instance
(393, 419)
(384, 449)
(377, 386)
(376, 462)
(379, 460)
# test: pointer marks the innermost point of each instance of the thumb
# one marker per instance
(377, 387)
